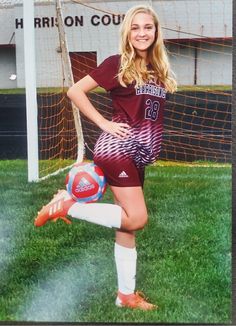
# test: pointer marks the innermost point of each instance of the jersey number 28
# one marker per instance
(152, 110)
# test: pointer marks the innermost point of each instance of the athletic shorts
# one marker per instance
(122, 174)
(118, 166)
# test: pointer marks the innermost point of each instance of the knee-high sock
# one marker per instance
(126, 259)
(108, 215)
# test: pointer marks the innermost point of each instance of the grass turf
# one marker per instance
(66, 273)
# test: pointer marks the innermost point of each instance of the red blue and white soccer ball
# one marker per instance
(86, 182)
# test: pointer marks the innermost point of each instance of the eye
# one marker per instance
(149, 27)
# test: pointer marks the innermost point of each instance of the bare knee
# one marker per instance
(134, 211)
(136, 222)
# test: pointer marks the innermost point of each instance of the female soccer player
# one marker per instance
(137, 79)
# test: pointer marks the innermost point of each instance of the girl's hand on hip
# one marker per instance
(117, 129)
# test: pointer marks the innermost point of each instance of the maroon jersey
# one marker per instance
(141, 107)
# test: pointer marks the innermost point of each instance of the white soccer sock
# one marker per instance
(108, 215)
(126, 259)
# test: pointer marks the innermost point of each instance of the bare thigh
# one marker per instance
(134, 210)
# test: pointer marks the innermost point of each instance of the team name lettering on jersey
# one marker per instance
(157, 91)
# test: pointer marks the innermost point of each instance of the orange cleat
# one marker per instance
(135, 301)
(57, 208)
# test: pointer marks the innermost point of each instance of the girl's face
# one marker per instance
(142, 34)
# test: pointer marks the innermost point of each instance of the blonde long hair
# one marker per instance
(133, 67)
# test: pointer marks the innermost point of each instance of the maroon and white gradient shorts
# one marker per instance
(113, 156)
(123, 161)
(122, 173)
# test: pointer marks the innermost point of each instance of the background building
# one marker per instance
(198, 35)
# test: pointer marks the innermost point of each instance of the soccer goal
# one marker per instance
(55, 133)
(73, 36)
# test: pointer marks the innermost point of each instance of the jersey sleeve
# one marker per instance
(106, 73)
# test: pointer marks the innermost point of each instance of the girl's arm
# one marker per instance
(77, 94)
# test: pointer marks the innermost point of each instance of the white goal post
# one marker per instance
(30, 88)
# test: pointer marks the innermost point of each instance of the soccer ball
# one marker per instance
(86, 182)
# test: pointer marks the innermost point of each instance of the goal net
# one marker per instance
(60, 132)
(59, 136)
(197, 123)
(197, 119)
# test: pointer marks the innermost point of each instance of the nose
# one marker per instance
(142, 32)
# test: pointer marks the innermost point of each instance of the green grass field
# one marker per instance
(66, 273)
